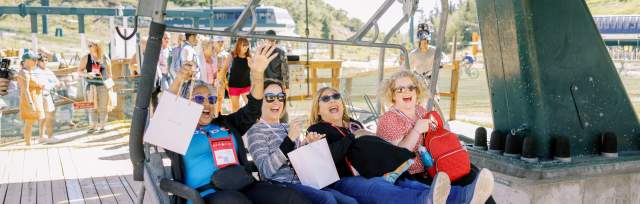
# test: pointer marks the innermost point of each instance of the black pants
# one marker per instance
(154, 98)
(258, 193)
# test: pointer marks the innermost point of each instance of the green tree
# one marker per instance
(326, 31)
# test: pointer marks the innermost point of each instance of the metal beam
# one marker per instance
(372, 21)
(39, 10)
(286, 38)
(444, 14)
(250, 9)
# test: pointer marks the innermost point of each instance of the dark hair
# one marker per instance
(269, 82)
(270, 32)
(187, 35)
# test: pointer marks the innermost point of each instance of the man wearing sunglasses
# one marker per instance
(217, 142)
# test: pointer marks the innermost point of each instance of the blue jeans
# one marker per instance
(457, 194)
(323, 196)
(377, 190)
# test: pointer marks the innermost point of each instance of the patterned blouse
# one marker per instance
(393, 125)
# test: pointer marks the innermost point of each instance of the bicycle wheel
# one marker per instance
(473, 73)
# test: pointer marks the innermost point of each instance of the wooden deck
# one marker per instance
(68, 173)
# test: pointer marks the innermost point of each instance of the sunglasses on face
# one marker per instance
(402, 89)
(327, 98)
(271, 97)
(199, 99)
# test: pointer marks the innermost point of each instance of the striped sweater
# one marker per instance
(268, 146)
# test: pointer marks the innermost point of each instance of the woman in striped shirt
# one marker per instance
(270, 141)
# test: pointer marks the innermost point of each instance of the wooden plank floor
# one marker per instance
(97, 174)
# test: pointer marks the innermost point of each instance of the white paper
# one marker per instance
(173, 123)
(314, 164)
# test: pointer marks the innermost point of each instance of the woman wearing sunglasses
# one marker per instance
(329, 118)
(217, 142)
(270, 141)
(403, 125)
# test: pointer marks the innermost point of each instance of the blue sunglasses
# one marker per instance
(199, 99)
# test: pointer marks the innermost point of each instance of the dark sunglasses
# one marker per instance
(401, 89)
(270, 97)
(326, 99)
(200, 99)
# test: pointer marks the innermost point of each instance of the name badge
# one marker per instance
(224, 154)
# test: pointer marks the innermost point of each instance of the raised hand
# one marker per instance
(261, 59)
(187, 71)
(295, 128)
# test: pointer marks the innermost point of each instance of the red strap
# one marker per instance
(437, 117)
(345, 158)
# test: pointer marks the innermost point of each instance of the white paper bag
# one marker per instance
(173, 123)
(314, 164)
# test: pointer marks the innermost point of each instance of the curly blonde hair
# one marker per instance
(386, 92)
(314, 117)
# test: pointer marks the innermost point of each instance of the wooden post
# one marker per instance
(313, 72)
(455, 76)
(335, 74)
(332, 50)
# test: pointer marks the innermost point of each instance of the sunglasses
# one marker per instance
(271, 97)
(326, 99)
(199, 99)
(401, 89)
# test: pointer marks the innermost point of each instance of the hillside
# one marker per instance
(340, 24)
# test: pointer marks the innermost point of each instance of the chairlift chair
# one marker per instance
(149, 161)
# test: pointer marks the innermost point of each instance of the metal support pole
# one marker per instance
(373, 20)
(386, 39)
(141, 110)
(34, 31)
(444, 14)
(44, 17)
(196, 22)
(83, 40)
(237, 26)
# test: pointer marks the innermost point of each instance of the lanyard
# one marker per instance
(407, 117)
(338, 129)
(206, 133)
(272, 128)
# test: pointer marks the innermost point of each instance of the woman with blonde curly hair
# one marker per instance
(329, 118)
(404, 125)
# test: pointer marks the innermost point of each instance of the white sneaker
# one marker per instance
(52, 140)
(42, 140)
(482, 187)
(440, 188)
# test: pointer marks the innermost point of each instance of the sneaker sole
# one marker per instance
(483, 188)
(442, 187)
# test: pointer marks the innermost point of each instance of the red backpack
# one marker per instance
(446, 151)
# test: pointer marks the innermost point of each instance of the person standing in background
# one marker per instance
(50, 82)
(208, 62)
(239, 76)
(224, 62)
(278, 69)
(31, 108)
(96, 67)
(162, 80)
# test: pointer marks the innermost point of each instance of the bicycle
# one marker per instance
(467, 68)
